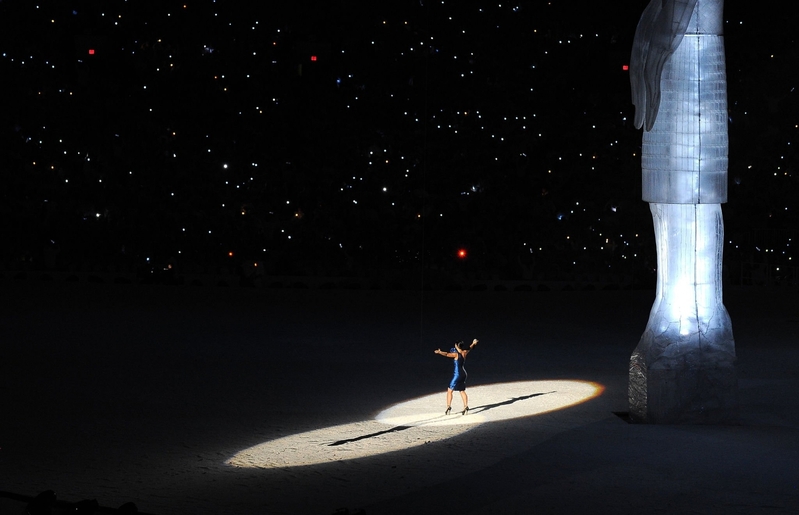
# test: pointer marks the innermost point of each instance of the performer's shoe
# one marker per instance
(465, 410)
(448, 410)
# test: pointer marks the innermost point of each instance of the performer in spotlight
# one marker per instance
(458, 355)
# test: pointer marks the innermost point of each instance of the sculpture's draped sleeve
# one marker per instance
(660, 31)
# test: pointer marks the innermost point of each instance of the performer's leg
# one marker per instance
(449, 397)
(465, 399)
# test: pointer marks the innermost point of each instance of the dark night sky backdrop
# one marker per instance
(203, 134)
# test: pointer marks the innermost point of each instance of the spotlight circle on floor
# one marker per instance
(493, 402)
(417, 422)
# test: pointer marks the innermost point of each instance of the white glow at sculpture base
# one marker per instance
(688, 324)
(416, 422)
(683, 367)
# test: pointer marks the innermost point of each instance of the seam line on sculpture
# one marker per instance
(698, 190)
(697, 221)
(698, 210)
(699, 128)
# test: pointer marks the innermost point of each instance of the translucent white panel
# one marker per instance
(707, 17)
(684, 156)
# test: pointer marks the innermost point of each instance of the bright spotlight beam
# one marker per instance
(416, 422)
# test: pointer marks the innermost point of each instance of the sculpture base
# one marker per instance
(689, 395)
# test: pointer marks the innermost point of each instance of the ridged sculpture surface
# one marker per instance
(683, 369)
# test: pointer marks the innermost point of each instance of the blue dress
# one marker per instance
(459, 377)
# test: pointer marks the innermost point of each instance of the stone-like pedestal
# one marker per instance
(685, 395)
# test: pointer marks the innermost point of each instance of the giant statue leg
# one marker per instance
(683, 369)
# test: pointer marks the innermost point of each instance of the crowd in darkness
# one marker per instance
(361, 142)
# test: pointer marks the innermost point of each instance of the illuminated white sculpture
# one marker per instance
(683, 369)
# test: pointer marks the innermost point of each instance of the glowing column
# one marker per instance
(683, 369)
